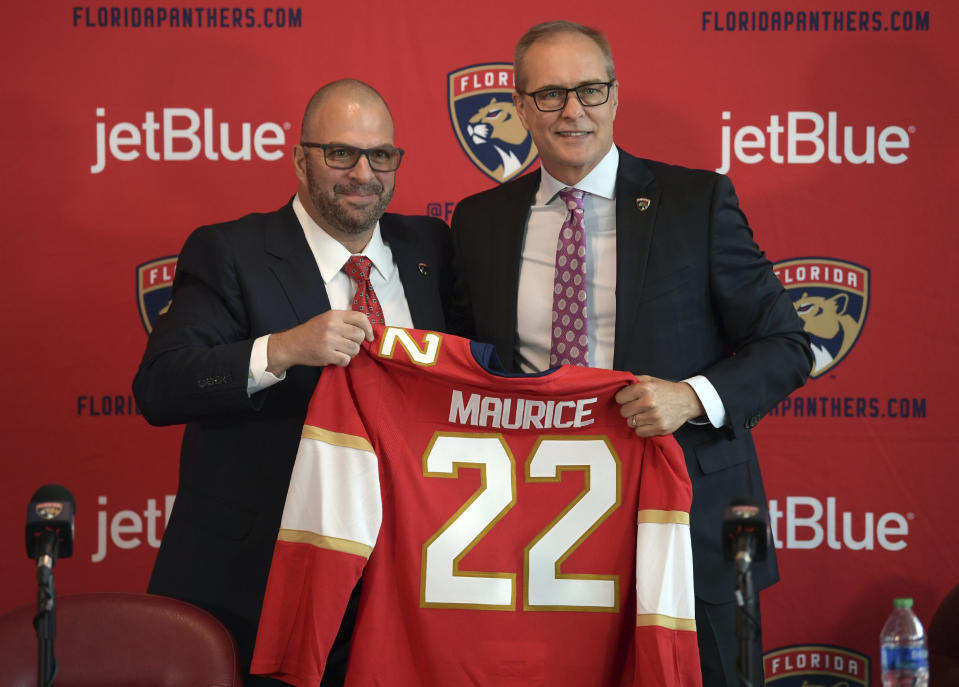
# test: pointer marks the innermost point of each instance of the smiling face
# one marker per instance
(346, 203)
(571, 141)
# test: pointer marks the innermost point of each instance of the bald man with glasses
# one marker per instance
(260, 305)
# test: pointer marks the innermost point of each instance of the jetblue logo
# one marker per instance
(485, 120)
(806, 138)
(182, 133)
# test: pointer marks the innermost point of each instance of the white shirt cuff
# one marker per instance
(259, 379)
(715, 410)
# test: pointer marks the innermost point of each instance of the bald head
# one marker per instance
(346, 202)
(343, 90)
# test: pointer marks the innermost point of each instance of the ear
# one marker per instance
(520, 103)
(842, 300)
(614, 97)
(299, 163)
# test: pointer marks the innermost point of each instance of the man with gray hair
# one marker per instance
(608, 260)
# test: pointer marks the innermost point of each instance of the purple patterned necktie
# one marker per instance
(364, 300)
(569, 343)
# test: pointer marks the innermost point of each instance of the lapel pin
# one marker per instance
(424, 270)
(642, 204)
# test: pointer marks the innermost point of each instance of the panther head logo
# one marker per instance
(498, 120)
(831, 298)
(485, 120)
(155, 289)
(830, 328)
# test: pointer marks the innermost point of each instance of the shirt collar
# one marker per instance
(331, 255)
(601, 181)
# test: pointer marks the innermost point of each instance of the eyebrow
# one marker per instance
(352, 145)
(581, 83)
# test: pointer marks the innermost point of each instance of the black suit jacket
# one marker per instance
(235, 282)
(694, 295)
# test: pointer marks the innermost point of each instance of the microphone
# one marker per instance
(745, 533)
(50, 525)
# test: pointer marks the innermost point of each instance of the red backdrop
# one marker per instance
(838, 129)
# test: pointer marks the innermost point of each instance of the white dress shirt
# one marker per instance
(330, 256)
(537, 267)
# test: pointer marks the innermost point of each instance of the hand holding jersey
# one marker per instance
(655, 407)
(330, 338)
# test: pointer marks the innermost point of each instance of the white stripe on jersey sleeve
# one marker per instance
(335, 491)
(664, 574)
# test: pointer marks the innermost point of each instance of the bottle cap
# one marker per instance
(902, 603)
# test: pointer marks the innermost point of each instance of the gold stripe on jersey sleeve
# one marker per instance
(660, 620)
(336, 439)
(324, 542)
(663, 517)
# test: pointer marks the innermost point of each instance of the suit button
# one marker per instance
(753, 421)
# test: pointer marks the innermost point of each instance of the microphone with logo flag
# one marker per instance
(50, 525)
(49, 536)
(745, 533)
(746, 539)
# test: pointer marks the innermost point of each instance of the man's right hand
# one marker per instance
(331, 338)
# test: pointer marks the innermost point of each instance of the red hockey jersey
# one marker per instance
(510, 530)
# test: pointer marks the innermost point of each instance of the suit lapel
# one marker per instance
(295, 267)
(419, 286)
(506, 229)
(636, 188)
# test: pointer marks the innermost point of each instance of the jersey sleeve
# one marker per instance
(667, 652)
(330, 523)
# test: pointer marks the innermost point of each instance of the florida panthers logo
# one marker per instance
(155, 288)
(485, 120)
(831, 297)
(815, 665)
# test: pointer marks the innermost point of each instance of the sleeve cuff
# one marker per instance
(258, 378)
(715, 410)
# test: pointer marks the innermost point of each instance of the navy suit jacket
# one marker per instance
(235, 282)
(694, 295)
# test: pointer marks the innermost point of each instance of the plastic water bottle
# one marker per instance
(905, 658)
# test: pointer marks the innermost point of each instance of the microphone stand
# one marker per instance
(44, 622)
(747, 622)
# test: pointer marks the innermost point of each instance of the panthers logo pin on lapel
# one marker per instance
(485, 120)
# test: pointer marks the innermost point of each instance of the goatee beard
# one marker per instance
(344, 219)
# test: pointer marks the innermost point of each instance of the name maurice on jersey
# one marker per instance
(519, 413)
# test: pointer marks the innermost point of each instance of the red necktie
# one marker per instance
(568, 340)
(364, 300)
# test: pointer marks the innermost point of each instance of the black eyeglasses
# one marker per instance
(554, 98)
(341, 156)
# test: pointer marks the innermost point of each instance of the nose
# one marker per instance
(573, 108)
(362, 171)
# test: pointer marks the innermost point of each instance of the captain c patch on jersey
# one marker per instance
(485, 120)
(832, 298)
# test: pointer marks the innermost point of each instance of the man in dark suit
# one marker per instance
(259, 306)
(675, 290)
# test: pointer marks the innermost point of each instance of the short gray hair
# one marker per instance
(554, 28)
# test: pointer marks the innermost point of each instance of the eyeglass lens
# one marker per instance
(345, 157)
(590, 95)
